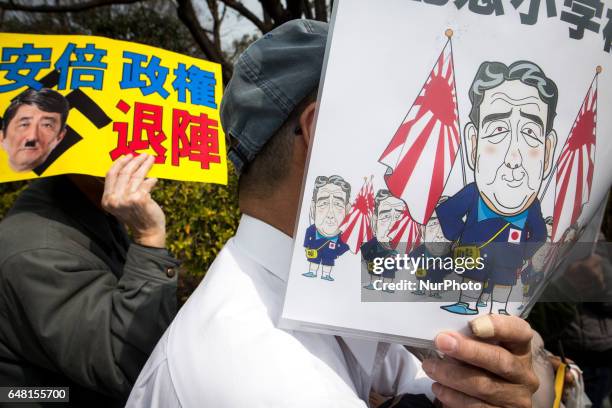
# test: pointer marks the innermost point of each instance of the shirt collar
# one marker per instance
(265, 244)
(272, 248)
(333, 239)
(485, 213)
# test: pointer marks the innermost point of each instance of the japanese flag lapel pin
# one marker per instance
(514, 236)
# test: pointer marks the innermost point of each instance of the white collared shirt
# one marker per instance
(223, 348)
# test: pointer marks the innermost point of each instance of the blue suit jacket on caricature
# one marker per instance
(436, 273)
(373, 249)
(481, 224)
(328, 248)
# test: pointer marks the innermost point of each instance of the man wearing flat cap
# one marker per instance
(224, 349)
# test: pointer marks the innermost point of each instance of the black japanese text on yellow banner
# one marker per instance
(123, 98)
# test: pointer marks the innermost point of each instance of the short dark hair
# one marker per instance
(47, 100)
(322, 181)
(493, 74)
(271, 165)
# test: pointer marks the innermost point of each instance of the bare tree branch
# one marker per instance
(208, 39)
(263, 26)
(223, 12)
(73, 7)
(266, 16)
(306, 9)
(216, 31)
(320, 10)
(188, 16)
(275, 10)
(294, 8)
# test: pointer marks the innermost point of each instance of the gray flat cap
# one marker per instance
(270, 79)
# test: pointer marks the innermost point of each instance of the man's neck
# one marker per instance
(278, 211)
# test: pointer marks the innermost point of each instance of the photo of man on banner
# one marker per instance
(32, 126)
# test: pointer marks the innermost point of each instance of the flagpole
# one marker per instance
(449, 35)
(598, 70)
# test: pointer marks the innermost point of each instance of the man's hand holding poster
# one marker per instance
(471, 136)
(76, 104)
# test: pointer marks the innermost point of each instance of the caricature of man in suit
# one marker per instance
(510, 144)
(387, 211)
(323, 244)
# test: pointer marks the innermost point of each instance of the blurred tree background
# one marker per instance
(200, 217)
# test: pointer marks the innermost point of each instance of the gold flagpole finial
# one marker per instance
(449, 33)
(599, 69)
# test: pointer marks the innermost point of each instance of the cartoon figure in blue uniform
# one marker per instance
(510, 144)
(323, 244)
(433, 250)
(387, 210)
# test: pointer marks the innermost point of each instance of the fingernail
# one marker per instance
(429, 366)
(483, 327)
(446, 343)
(436, 388)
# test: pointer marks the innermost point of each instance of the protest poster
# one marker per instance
(121, 97)
(449, 131)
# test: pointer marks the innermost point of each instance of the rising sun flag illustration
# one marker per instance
(574, 169)
(356, 228)
(421, 154)
(405, 231)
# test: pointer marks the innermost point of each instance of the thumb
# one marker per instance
(513, 332)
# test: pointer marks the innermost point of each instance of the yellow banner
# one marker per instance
(121, 98)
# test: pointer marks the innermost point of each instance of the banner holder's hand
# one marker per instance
(127, 196)
(493, 369)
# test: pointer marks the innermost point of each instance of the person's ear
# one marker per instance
(307, 118)
(470, 136)
(1, 136)
(549, 152)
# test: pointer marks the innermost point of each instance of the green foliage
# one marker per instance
(200, 218)
(8, 195)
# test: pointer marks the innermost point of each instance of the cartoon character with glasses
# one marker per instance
(323, 244)
(510, 144)
(387, 211)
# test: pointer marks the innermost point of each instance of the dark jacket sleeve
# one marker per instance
(309, 236)
(69, 313)
(451, 212)
(536, 230)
